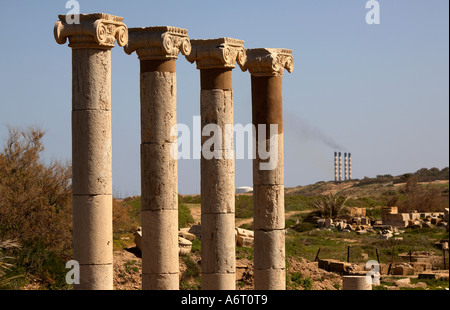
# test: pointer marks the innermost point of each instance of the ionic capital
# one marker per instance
(158, 42)
(97, 30)
(217, 53)
(269, 61)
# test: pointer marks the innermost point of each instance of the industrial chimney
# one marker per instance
(345, 167)
(349, 166)
(335, 167)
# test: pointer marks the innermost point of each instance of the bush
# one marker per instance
(184, 215)
(421, 198)
(35, 206)
(297, 280)
(331, 206)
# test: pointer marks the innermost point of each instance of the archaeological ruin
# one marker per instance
(157, 49)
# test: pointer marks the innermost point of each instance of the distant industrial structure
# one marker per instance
(338, 167)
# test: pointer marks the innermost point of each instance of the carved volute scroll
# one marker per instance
(217, 53)
(269, 61)
(158, 42)
(98, 30)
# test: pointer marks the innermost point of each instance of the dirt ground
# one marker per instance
(128, 268)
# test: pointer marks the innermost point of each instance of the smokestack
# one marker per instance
(349, 166)
(345, 167)
(335, 167)
(340, 167)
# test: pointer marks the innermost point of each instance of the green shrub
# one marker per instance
(184, 215)
(297, 280)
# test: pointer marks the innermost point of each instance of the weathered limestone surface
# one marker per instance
(355, 283)
(96, 222)
(91, 41)
(215, 59)
(159, 179)
(163, 244)
(91, 152)
(268, 215)
(158, 49)
(158, 106)
(266, 67)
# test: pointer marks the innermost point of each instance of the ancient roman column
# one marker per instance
(216, 59)
(266, 67)
(158, 49)
(91, 41)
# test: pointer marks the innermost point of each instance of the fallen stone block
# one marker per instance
(138, 239)
(187, 235)
(403, 282)
(184, 246)
(403, 270)
(427, 275)
(420, 267)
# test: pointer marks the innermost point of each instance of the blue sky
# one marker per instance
(378, 91)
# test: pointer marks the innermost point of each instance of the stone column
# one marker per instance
(158, 49)
(91, 41)
(355, 283)
(216, 59)
(266, 67)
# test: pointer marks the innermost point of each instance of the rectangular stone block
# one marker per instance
(92, 229)
(91, 79)
(91, 153)
(270, 279)
(158, 107)
(420, 266)
(217, 186)
(269, 249)
(218, 243)
(166, 281)
(216, 108)
(268, 207)
(159, 177)
(270, 170)
(218, 281)
(160, 242)
(403, 270)
(96, 277)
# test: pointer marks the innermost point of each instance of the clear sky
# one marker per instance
(380, 92)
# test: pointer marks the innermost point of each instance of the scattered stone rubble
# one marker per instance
(391, 224)
(390, 216)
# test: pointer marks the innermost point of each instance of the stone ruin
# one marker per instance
(157, 48)
(391, 224)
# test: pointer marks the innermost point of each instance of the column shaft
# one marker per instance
(92, 167)
(268, 190)
(159, 180)
(217, 184)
